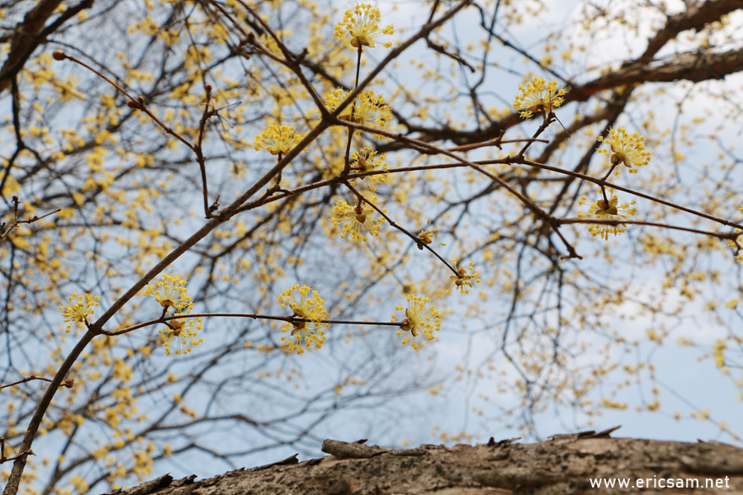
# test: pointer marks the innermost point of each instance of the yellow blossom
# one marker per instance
(426, 237)
(419, 319)
(463, 281)
(538, 96)
(629, 150)
(304, 333)
(600, 210)
(356, 221)
(736, 245)
(360, 24)
(82, 307)
(170, 292)
(367, 160)
(181, 334)
(277, 139)
(719, 353)
(80, 485)
(368, 109)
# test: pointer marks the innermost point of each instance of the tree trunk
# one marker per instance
(566, 464)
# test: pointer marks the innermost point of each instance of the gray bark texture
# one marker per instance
(562, 465)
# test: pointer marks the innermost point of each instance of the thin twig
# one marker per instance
(400, 228)
(27, 379)
(255, 316)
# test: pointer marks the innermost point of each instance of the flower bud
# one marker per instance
(69, 383)
(59, 55)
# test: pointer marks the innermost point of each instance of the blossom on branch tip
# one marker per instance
(600, 210)
(82, 307)
(304, 333)
(277, 139)
(180, 333)
(538, 96)
(169, 292)
(360, 24)
(463, 281)
(426, 237)
(356, 220)
(419, 319)
(629, 150)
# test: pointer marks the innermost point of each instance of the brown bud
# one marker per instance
(140, 99)
(132, 104)
(59, 55)
(69, 383)
(208, 88)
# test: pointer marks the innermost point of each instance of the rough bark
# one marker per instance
(562, 465)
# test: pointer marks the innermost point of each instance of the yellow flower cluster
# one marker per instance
(600, 210)
(367, 160)
(356, 220)
(733, 245)
(304, 333)
(180, 334)
(82, 307)
(360, 24)
(426, 237)
(368, 109)
(538, 96)
(169, 292)
(629, 150)
(463, 281)
(277, 139)
(419, 319)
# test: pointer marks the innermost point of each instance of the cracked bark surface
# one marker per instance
(562, 465)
